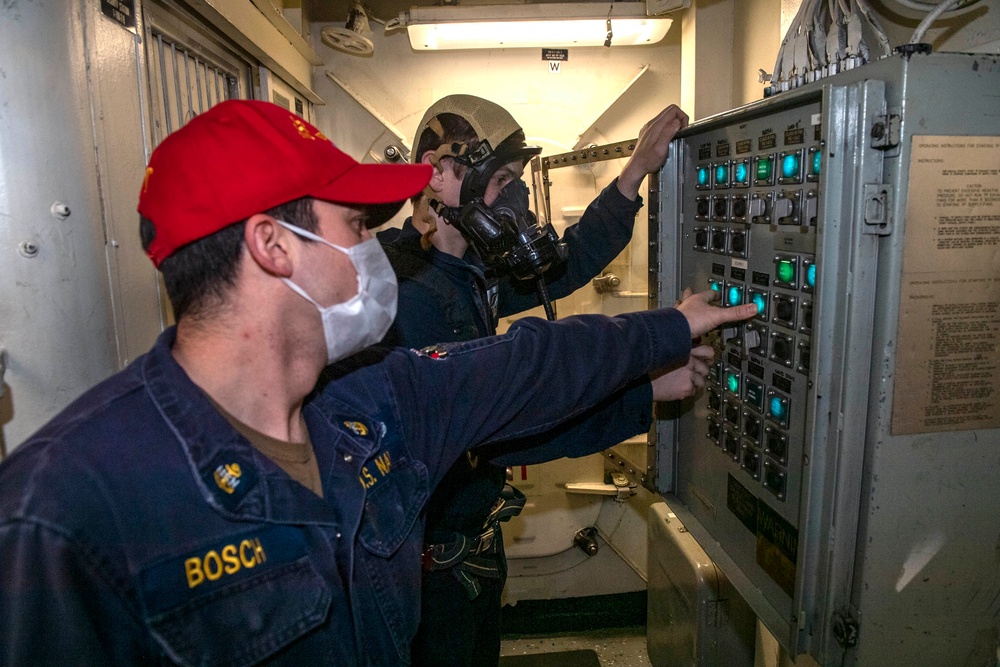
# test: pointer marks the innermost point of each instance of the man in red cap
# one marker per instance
(205, 505)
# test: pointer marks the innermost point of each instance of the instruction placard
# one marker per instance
(122, 11)
(948, 356)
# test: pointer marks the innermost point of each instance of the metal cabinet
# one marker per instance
(841, 467)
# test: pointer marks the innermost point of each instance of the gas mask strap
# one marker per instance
(450, 214)
(456, 150)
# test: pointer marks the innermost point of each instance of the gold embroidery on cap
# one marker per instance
(300, 126)
(303, 129)
(145, 180)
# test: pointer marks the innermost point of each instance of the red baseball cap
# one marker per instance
(243, 157)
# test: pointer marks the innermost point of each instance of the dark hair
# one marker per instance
(456, 129)
(198, 275)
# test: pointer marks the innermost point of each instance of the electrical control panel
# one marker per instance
(832, 209)
(754, 240)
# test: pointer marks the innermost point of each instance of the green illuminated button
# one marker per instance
(733, 382)
(715, 285)
(785, 270)
(764, 169)
(760, 301)
(742, 173)
(721, 174)
(817, 161)
(703, 176)
(734, 296)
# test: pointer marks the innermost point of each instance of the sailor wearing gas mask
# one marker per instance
(471, 253)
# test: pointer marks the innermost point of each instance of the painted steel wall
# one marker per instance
(78, 298)
(56, 321)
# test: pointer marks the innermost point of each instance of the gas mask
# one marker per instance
(506, 234)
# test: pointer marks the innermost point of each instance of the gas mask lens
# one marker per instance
(511, 207)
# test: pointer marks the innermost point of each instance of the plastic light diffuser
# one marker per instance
(536, 25)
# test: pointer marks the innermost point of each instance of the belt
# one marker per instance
(471, 557)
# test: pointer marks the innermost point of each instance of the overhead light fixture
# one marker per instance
(538, 25)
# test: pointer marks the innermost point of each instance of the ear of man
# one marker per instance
(437, 176)
(269, 245)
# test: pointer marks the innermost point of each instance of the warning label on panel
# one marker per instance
(948, 359)
(777, 543)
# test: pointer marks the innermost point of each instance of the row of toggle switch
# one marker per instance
(784, 207)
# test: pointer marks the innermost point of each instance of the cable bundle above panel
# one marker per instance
(831, 36)
(826, 37)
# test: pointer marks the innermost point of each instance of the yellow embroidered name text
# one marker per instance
(230, 559)
(383, 464)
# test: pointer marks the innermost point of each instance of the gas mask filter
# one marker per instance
(506, 235)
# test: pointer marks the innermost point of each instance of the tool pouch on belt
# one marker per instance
(472, 557)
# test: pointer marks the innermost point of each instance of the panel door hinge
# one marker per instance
(878, 209)
(885, 132)
(845, 629)
(621, 486)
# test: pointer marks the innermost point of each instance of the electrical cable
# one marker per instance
(921, 6)
(883, 39)
(607, 39)
(918, 34)
(825, 37)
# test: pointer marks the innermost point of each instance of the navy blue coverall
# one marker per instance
(443, 298)
(138, 527)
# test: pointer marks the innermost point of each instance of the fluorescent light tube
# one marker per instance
(534, 25)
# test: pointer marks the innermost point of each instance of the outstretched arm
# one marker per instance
(623, 415)
(651, 149)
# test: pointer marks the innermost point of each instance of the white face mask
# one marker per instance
(363, 319)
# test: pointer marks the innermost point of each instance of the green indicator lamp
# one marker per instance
(703, 176)
(742, 172)
(734, 296)
(816, 162)
(764, 169)
(733, 382)
(811, 275)
(721, 173)
(786, 271)
(790, 166)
